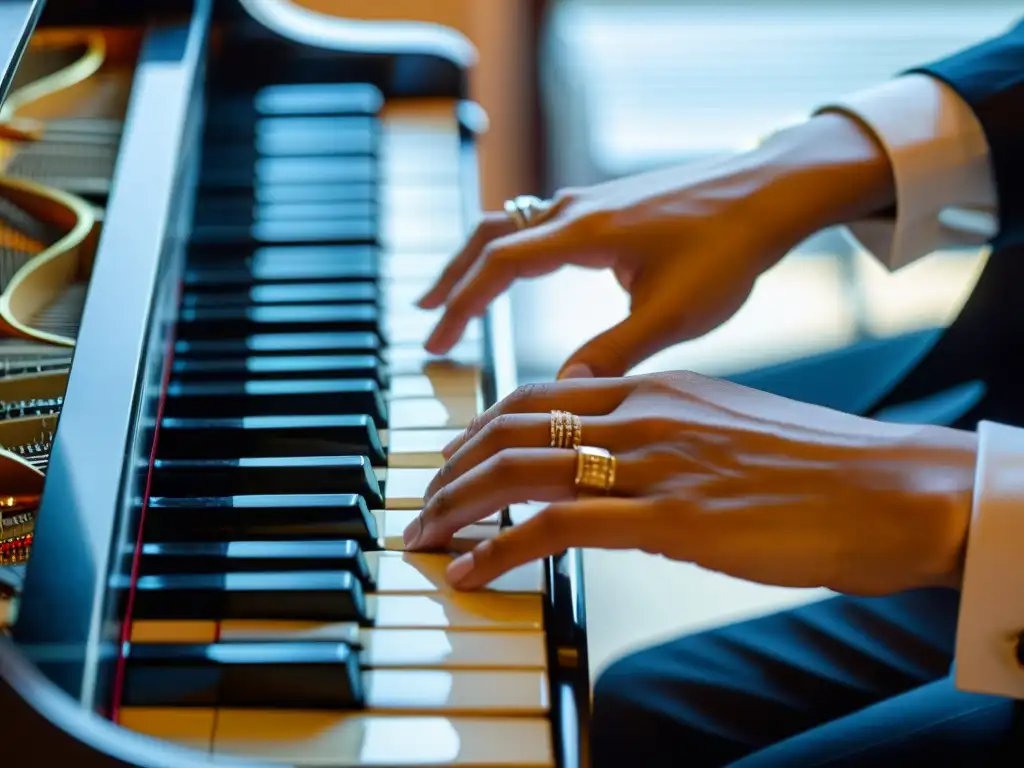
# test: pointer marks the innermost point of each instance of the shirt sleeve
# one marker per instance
(945, 189)
(992, 594)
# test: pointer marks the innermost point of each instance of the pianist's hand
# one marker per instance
(686, 243)
(730, 478)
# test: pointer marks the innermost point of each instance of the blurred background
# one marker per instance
(580, 91)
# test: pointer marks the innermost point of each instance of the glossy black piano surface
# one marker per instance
(250, 421)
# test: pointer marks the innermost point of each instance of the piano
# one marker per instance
(215, 572)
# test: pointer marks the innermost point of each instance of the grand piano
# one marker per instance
(255, 194)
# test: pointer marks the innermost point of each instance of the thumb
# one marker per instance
(618, 349)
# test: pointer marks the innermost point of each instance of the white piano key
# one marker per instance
(408, 271)
(404, 488)
(432, 413)
(417, 572)
(418, 448)
(327, 740)
(437, 648)
(410, 325)
(462, 610)
(457, 692)
(186, 727)
(391, 525)
(439, 381)
(415, 360)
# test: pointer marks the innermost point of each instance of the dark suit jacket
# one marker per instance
(985, 344)
(990, 78)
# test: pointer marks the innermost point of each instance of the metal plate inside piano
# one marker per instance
(276, 615)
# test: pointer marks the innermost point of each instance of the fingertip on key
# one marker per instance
(412, 532)
(460, 569)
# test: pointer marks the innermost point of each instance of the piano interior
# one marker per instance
(216, 415)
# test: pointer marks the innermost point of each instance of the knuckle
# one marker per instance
(439, 506)
(527, 394)
(476, 424)
(496, 432)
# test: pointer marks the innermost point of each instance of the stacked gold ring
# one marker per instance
(525, 210)
(566, 430)
(595, 469)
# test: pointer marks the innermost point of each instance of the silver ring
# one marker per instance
(525, 210)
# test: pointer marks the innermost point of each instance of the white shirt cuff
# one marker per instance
(945, 189)
(992, 595)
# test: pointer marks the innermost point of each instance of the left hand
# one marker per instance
(712, 473)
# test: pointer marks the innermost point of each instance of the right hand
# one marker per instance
(687, 243)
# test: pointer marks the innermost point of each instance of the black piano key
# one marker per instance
(291, 170)
(269, 257)
(275, 517)
(243, 210)
(288, 596)
(281, 344)
(240, 675)
(296, 137)
(218, 322)
(287, 474)
(288, 232)
(364, 292)
(321, 194)
(291, 100)
(269, 436)
(256, 556)
(281, 367)
(307, 397)
(213, 269)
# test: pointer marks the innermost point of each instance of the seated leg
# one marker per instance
(934, 725)
(712, 698)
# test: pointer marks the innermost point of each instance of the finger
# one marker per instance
(514, 476)
(642, 334)
(594, 523)
(583, 397)
(492, 226)
(529, 253)
(521, 430)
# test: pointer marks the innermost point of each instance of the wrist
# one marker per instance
(827, 171)
(949, 493)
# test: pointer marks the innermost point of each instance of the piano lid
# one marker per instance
(18, 19)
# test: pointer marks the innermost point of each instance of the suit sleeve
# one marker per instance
(989, 77)
(942, 175)
(990, 636)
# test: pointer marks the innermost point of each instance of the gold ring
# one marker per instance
(566, 430)
(595, 469)
(525, 210)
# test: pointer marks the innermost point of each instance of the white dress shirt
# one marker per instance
(946, 196)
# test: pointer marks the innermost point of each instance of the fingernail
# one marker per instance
(460, 568)
(577, 371)
(412, 532)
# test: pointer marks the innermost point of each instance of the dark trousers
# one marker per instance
(847, 681)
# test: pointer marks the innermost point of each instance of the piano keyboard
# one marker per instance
(274, 614)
